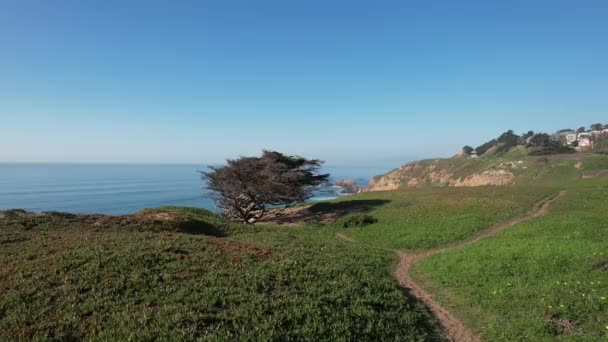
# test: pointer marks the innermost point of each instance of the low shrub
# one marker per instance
(550, 149)
(356, 220)
(485, 147)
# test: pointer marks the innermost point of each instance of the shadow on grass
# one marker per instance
(321, 212)
(197, 227)
(347, 206)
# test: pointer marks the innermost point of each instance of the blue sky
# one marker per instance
(350, 82)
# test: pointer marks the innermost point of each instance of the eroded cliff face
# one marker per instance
(432, 173)
(489, 177)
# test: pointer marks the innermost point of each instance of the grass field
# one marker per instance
(539, 280)
(424, 218)
(63, 279)
(181, 273)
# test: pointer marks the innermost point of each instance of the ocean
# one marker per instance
(123, 188)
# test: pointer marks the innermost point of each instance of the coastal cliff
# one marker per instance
(434, 173)
(465, 171)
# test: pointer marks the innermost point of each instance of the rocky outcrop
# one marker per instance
(349, 186)
(489, 177)
(441, 174)
(383, 183)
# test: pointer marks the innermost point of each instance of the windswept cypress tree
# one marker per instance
(246, 187)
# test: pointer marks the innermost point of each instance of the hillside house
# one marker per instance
(564, 138)
(584, 135)
(570, 138)
(599, 132)
(584, 140)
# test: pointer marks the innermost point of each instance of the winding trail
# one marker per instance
(454, 329)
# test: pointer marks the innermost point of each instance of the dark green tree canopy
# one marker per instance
(540, 140)
(544, 145)
(483, 148)
(467, 150)
(596, 127)
(246, 187)
(508, 139)
(528, 135)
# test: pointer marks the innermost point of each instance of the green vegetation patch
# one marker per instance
(69, 281)
(189, 220)
(537, 280)
(356, 220)
(595, 162)
(416, 218)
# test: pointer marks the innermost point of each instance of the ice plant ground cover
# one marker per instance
(115, 278)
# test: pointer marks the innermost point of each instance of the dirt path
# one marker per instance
(454, 329)
(345, 237)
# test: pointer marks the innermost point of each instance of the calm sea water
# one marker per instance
(120, 189)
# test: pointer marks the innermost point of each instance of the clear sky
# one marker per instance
(346, 81)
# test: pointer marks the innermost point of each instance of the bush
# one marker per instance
(509, 139)
(356, 220)
(467, 150)
(503, 148)
(540, 140)
(485, 147)
(553, 148)
(600, 145)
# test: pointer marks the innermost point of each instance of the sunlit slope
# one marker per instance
(538, 280)
(158, 274)
(512, 168)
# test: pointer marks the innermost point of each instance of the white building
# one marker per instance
(584, 139)
(584, 135)
(570, 138)
(584, 142)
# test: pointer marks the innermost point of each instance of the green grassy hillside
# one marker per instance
(421, 218)
(181, 273)
(512, 168)
(158, 275)
(538, 280)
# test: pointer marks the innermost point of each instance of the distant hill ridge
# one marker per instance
(594, 139)
(510, 159)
